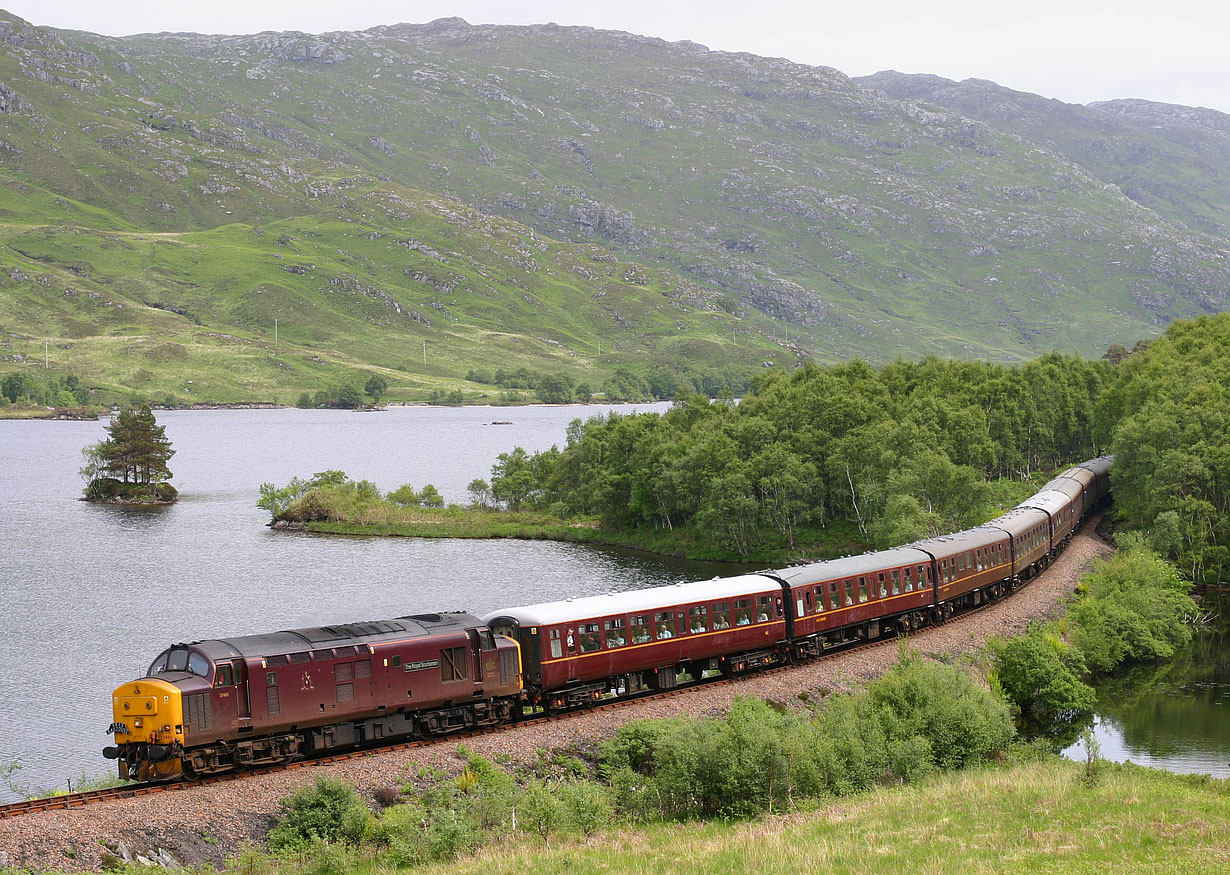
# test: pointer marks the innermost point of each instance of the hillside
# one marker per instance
(718, 203)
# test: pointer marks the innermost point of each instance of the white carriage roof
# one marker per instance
(959, 542)
(637, 601)
(852, 566)
(1051, 500)
(1019, 520)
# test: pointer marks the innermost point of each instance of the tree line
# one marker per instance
(899, 452)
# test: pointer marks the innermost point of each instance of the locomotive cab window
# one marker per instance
(198, 664)
(159, 665)
(225, 677)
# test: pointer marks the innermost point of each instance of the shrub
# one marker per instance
(961, 720)
(1134, 609)
(1041, 676)
(587, 806)
(328, 811)
(541, 812)
(404, 495)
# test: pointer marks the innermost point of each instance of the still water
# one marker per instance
(1175, 715)
(89, 594)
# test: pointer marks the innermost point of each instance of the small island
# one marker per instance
(130, 466)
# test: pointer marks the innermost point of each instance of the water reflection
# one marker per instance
(1173, 715)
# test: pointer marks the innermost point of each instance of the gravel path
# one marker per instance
(208, 824)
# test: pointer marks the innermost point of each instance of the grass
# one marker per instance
(1027, 818)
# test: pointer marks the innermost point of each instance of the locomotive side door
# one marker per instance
(242, 700)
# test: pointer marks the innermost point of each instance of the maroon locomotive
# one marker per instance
(222, 705)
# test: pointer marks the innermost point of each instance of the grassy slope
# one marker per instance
(1029, 818)
(873, 226)
(192, 314)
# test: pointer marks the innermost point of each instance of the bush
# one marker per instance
(587, 806)
(327, 811)
(1041, 676)
(1134, 609)
(918, 718)
(962, 721)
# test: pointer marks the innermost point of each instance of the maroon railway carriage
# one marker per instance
(1029, 529)
(268, 698)
(968, 566)
(1078, 484)
(1063, 511)
(1100, 467)
(841, 600)
(577, 650)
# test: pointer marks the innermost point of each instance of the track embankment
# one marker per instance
(207, 824)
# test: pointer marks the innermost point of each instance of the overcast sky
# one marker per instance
(1076, 50)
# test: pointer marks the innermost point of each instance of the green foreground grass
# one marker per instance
(1035, 817)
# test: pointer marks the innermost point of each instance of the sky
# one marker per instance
(1077, 51)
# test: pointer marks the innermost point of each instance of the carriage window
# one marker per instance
(862, 590)
(743, 612)
(664, 625)
(698, 619)
(721, 615)
(896, 576)
(615, 632)
(909, 579)
(849, 592)
(557, 648)
(834, 601)
(640, 629)
(883, 588)
(764, 608)
(589, 637)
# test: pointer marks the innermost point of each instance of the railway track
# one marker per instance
(128, 791)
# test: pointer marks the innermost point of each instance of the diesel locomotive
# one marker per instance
(224, 705)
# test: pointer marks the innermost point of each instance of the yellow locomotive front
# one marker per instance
(148, 725)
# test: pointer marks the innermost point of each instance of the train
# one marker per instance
(225, 705)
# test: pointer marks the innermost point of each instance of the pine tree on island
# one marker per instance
(130, 466)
